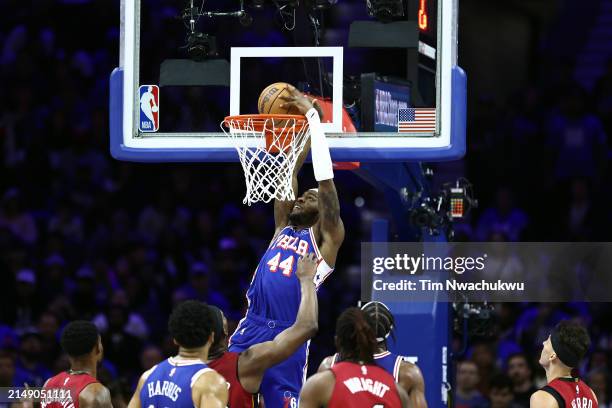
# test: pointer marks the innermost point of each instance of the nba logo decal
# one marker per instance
(149, 108)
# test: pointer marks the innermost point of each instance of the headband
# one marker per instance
(564, 353)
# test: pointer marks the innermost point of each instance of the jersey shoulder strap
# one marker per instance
(556, 395)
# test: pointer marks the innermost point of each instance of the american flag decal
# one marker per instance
(416, 120)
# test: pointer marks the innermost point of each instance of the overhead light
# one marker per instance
(256, 4)
(320, 4)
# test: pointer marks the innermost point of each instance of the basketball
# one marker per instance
(270, 100)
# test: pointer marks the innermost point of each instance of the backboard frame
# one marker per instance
(447, 143)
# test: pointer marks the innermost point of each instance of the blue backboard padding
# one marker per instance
(456, 149)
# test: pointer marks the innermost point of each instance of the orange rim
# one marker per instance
(257, 121)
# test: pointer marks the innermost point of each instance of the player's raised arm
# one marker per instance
(330, 224)
(411, 380)
(257, 359)
(282, 209)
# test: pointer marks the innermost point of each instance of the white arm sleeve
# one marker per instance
(321, 159)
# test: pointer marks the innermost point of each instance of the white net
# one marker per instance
(268, 148)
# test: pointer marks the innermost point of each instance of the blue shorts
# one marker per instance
(281, 383)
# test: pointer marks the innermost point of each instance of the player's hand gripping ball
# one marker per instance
(284, 98)
(307, 267)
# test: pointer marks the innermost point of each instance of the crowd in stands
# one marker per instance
(83, 236)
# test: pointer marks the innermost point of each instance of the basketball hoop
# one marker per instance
(268, 147)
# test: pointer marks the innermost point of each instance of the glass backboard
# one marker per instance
(386, 72)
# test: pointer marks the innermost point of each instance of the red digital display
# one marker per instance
(423, 18)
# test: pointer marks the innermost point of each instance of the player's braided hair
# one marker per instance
(355, 338)
(381, 318)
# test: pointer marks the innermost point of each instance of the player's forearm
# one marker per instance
(307, 319)
(329, 205)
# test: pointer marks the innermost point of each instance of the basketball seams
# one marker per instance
(274, 100)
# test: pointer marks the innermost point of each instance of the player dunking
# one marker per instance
(355, 381)
(311, 224)
(561, 352)
(408, 375)
(81, 341)
(244, 371)
(184, 380)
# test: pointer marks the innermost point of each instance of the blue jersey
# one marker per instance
(386, 360)
(275, 289)
(169, 383)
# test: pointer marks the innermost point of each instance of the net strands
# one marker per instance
(268, 147)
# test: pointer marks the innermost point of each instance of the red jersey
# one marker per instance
(227, 366)
(571, 393)
(363, 386)
(73, 382)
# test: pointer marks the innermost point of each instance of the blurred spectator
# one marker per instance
(151, 356)
(27, 303)
(55, 279)
(584, 221)
(8, 338)
(599, 360)
(10, 376)
(29, 361)
(535, 325)
(85, 294)
(198, 288)
(501, 395)
(483, 355)
(67, 223)
(16, 219)
(501, 259)
(576, 139)
(48, 328)
(467, 394)
(504, 218)
(135, 325)
(599, 381)
(520, 373)
(121, 348)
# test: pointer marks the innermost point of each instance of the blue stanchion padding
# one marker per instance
(422, 331)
